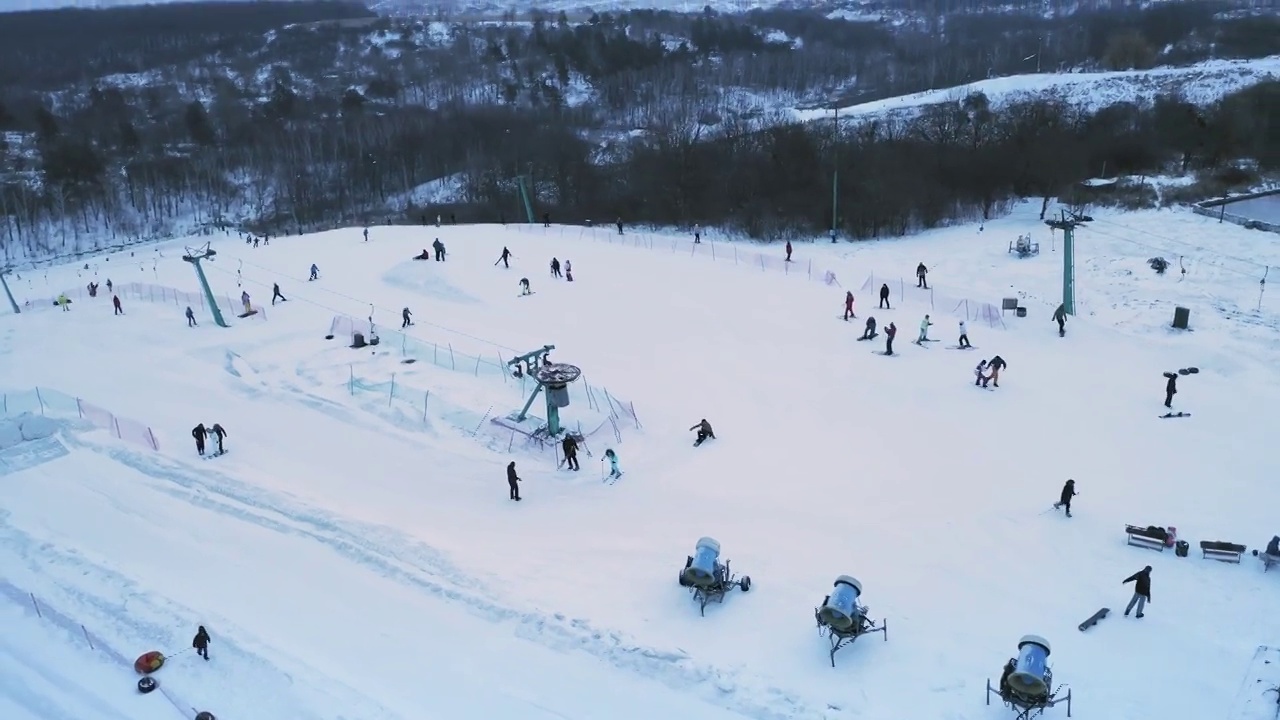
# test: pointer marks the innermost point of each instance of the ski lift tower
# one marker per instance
(553, 381)
(194, 257)
(12, 303)
(1068, 224)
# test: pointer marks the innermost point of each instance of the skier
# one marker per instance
(996, 365)
(198, 432)
(1170, 389)
(921, 271)
(439, 248)
(1060, 317)
(524, 287)
(201, 642)
(978, 373)
(964, 336)
(568, 271)
(275, 293)
(704, 431)
(513, 480)
(315, 272)
(65, 302)
(870, 331)
(619, 224)
(788, 251)
(889, 334)
(219, 433)
(115, 301)
(697, 234)
(570, 447)
(404, 318)
(884, 297)
(1141, 590)
(191, 317)
(1064, 500)
(924, 331)
(506, 254)
(244, 300)
(848, 305)
(614, 472)
(555, 268)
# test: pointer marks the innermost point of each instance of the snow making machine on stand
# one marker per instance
(1027, 681)
(707, 577)
(841, 617)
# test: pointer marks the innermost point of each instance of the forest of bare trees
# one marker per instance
(285, 117)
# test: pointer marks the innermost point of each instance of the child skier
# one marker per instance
(964, 336)
(980, 378)
(201, 642)
(612, 456)
(925, 324)
(315, 272)
(219, 433)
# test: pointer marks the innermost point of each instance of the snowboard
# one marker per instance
(1094, 620)
(957, 347)
(1175, 415)
(697, 443)
(528, 293)
(248, 314)
(613, 478)
(873, 336)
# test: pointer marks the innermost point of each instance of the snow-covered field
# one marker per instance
(357, 557)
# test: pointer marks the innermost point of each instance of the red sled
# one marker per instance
(148, 663)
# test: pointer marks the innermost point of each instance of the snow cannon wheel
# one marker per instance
(746, 583)
(146, 684)
(205, 715)
(328, 337)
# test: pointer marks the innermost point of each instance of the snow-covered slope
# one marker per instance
(354, 555)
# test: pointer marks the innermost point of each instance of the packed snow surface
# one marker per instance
(355, 555)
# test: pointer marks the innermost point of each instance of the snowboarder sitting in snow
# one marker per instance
(870, 331)
(704, 431)
(524, 287)
(198, 432)
(1064, 500)
(424, 255)
(219, 433)
(1273, 547)
(201, 642)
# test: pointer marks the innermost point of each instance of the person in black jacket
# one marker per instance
(1064, 500)
(570, 447)
(1141, 590)
(513, 480)
(889, 333)
(198, 432)
(201, 642)
(884, 296)
(995, 366)
(870, 330)
(219, 433)
(1170, 389)
(704, 431)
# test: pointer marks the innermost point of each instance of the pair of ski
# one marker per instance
(611, 479)
(1175, 415)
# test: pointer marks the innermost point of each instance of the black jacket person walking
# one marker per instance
(570, 447)
(1141, 590)
(513, 480)
(201, 642)
(198, 432)
(1170, 389)
(1064, 500)
(506, 255)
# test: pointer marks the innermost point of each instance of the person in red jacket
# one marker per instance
(889, 334)
(848, 305)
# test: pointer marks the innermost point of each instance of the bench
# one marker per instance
(1221, 551)
(1151, 538)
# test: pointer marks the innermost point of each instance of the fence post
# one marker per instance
(392, 393)
(351, 380)
(425, 397)
(504, 372)
(36, 605)
(612, 410)
(453, 361)
(5, 399)
(634, 416)
(435, 354)
(154, 445)
(713, 250)
(79, 409)
(931, 307)
(115, 422)
(735, 254)
(810, 271)
(761, 262)
(86, 638)
(477, 366)
(403, 340)
(40, 399)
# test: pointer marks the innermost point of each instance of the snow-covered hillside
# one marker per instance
(355, 554)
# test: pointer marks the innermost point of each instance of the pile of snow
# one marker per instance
(25, 427)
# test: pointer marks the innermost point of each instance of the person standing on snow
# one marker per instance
(201, 642)
(1064, 500)
(315, 272)
(870, 331)
(404, 318)
(275, 293)
(788, 251)
(244, 300)
(925, 324)
(1060, 317)
(570, 447)
(366, 234)
(198, 432)
(1170, 389)
(848, 305)
(964, 336)
(555, 268)
(996, 365)
(1141, 590)
(191, 317)
(219, 433)
(513, 480)
(612, 456)
(884, 297)
(115, 301)
(568, 271)
(921, 271)
(439, 248)
(619, 224)
(697, 234)
(889, 333)
(503, 258)
(980, 378)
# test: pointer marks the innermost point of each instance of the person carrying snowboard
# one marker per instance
(198, 432)
(315, 272)
(889, 333)
(870, 331)
(925, 324)
(275, 293)
(612, 456)
(848, 305)
(219, 433)
(524, 287)
(201, 642)
(191, 317)
(964, 336)
(503, 258)
(1064, 500)
(921, 271)
(570, 447)
(1141, 590)
(1170, 389)
(1060, 317)
(996, 364)
(884, 297)
(405, 320)
(115, 301)
(513, 480)
(555, 268)
(704, 431)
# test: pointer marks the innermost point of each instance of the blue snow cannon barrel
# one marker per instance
(702, 570)
(1032, 669)
(841, 609)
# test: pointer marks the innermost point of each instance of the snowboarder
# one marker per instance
(612, 456)
(524, 287)
(1170, 389)
(996, 364)
(980, 378)
(848, 305)
(889, 334)
(921, 271)
(219, 433)
(704, 431)
(1060, 317)
(115, 302)
(513, 480)
(697, 234)
(555, 268)
(788, 251)
(275, 293)
(439, 248)
(191, 317)
(925, 324)
(1141, 590)
(570, 447)
(964, 336)
(198, 432)
(315, 272)
(405, 320)
(568, 271)
(870, 331)
(244, 300)
(884, 297)
(1064, 500)
(506, 254)
(201, 642)
(619, 224)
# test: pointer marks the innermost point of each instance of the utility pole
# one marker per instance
(835, 171)
(194, 257)
(12, 303)
(1068, 225)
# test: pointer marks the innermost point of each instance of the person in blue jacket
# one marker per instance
(614, 472)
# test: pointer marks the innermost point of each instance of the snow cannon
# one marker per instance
(841, 611)
(701, 569)
(1030, 675)
(205, 715)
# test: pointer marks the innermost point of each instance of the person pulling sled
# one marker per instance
(704, 431)
(201, 642)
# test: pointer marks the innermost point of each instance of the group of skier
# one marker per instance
(200, 432)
